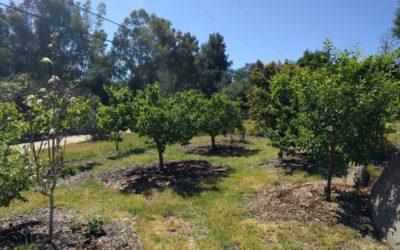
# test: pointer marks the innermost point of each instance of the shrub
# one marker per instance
(95, 228)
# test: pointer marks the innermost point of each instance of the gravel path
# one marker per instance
(70, 139)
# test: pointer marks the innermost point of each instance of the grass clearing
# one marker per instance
(216, 218)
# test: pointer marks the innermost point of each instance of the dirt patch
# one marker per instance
(305, 203)
(32, 229)
(185, 177)
(223, 149)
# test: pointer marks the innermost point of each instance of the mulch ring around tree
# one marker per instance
(305, 203)
(184, 177)
(223, 149)
(32, 228)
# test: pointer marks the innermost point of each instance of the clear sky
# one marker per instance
(270, 29)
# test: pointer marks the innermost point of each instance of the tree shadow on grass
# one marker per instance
(301, 162)
(125, 153)
(187, 178)
(223, 149)
(74, 168)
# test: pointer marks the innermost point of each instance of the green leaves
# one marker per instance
(336, 112)
(15, 168)
(219, 116)
(165, 120)
(119, 116)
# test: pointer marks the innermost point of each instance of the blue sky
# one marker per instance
(270, 29)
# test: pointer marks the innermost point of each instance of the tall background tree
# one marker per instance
(214, 65)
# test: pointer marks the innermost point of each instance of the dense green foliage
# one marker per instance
(220, 116)
(336, 113)
(15, 167)
(166, 120)
(118, 116)
(258, 96)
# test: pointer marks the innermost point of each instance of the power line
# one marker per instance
(95, 14)
(46, 20)
(260, 29)
(227, 28)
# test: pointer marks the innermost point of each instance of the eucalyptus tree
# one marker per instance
(213, 65)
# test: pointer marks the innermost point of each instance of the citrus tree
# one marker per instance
(165, 120)
(337, 113)
(219, 116)
(119, 115)
(15, 167)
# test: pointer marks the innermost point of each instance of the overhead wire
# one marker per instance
(95, 14)
(60, 25)
(257, 25)
(256, 52)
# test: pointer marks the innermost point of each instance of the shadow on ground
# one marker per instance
(223, 149)
(305, 203)
(125, 153)
(19, 230)
(354, 211)
(18, 234)
(187, 178)
(300, 162)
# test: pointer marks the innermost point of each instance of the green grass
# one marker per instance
(216, 218)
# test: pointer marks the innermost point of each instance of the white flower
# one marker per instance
(54, 79)
(46, 60)
(39, 102)
(42, 90)
(52, 131)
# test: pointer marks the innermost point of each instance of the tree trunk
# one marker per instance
(51, 216)
(213, 146)
(117, 142)
(160, 156)
(328, 189)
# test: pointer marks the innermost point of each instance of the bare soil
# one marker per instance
(305, 203)
(185, 177)
(32, 228)
(223, 149)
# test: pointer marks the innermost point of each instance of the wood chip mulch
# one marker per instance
(305, 203)
(32, 228)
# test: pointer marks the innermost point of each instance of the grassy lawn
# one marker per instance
(216, 218)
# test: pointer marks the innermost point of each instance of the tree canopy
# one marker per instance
(166, 120)
(336, 113)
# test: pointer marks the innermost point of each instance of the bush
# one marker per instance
(95, 228)
(75, 226)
